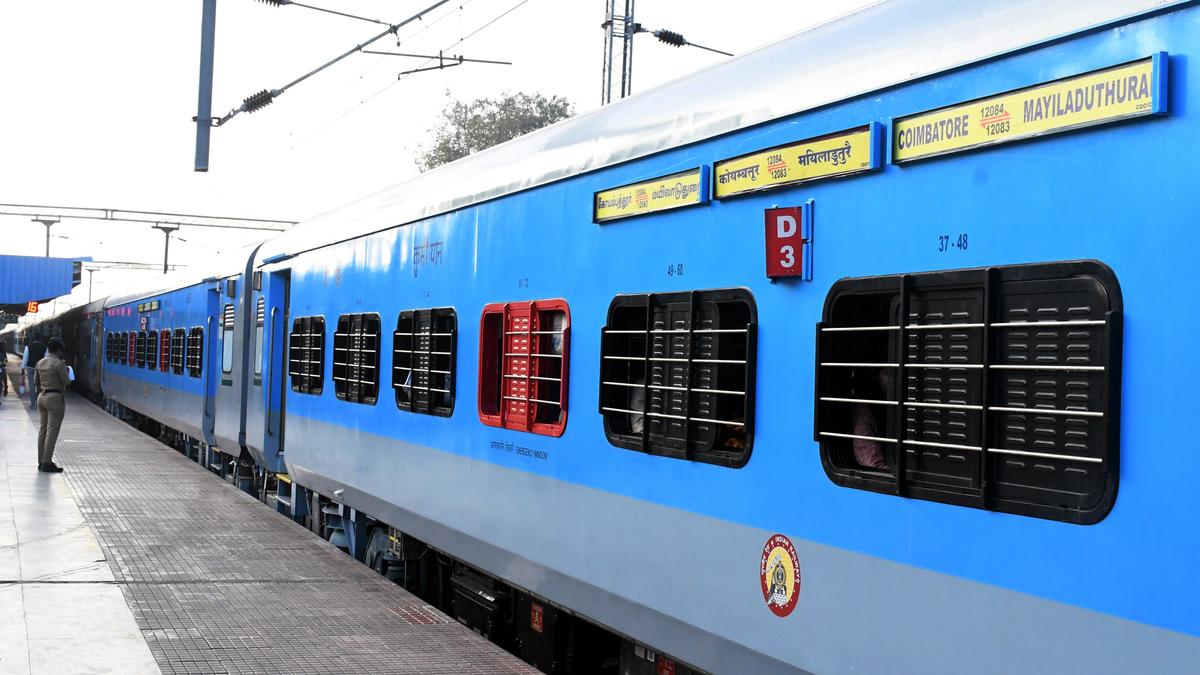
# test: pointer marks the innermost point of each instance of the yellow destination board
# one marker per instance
(658, 194)
(838, 154)
(1098, 97)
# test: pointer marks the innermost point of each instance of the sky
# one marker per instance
(96, 101)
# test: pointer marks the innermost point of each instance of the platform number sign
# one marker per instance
(789, 242)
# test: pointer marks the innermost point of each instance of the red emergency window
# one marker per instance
(164, 350)
(132, 356)
(523, 363)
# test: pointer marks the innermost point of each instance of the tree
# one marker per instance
(468, 127)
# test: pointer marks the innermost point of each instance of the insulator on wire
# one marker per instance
(670, 37)
(258, 101)
(277, 3)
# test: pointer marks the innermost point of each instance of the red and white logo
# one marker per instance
(779, 572)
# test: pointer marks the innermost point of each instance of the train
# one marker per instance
(861, 352)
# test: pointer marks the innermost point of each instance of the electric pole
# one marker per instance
(166, 230)
(619, 29)
(47, 222)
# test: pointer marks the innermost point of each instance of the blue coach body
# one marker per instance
(1059, 545)
(668, 550)
(179, 398)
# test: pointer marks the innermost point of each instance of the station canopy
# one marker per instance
(32, 279)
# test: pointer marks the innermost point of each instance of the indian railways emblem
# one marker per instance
(779, 573)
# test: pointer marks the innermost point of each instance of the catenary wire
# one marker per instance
(398, 79)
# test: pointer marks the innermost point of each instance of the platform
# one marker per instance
(137, 560)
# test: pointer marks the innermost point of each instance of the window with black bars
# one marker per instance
(306, 354)
(356, 358)
(677, 374)
(423, 360)
(178, 344)
(523, 364)
(195, 351)
(108, 346)
(139, 349)
(995, 388)
(151, 350)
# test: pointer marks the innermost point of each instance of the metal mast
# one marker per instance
(618, 28)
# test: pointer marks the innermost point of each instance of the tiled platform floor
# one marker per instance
(136, 558)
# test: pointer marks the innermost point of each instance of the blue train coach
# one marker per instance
(862, 352)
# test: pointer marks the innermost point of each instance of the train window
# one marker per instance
(423, 360)
(523, 364)
(306, 354)
(108, 346)
(258, 340)
(195, 351)
(139, 349)
(356, 358)
(164, 350)
(677, 374)
(131, 348)
(227, 321)
(151, 349)
(995, 388)
(178, 341)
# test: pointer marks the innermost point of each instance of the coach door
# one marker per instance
(96, 358)
(278, 292)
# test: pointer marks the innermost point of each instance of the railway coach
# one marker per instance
(860, 352)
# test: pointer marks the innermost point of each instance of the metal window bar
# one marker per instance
(356, 339)
(140, 349)
(178, 351)
(415, 353)
(985, 408)
(195, 352)
(306, 347)
(151, 351)
(671, 352)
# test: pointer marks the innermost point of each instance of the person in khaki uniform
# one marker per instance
(51, 376)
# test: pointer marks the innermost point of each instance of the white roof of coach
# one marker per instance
(219, 266)
(881, 45)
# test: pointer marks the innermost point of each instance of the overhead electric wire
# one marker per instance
(675, 39)
(393, 83)
(425, 25)
(453, 59)
(476, 31)
(280, 3)
(266, 96)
